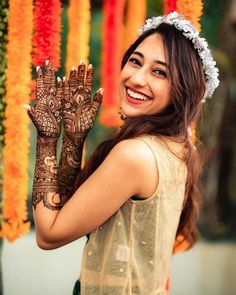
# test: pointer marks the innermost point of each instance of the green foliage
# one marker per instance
(155, 8)
(212, 20)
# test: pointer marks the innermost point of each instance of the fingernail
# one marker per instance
(90, 66)
(81, 62)
(100, 90)
(27, 107)
(73, 68)
(37, 68)
(46, 62)
(58, 79)
(64, 79)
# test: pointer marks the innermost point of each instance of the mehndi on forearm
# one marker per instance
(70, 164)
(45, 186)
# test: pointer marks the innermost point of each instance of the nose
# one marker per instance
(139, 78)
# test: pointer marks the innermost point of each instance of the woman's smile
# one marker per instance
(144, 84)
(136, 97)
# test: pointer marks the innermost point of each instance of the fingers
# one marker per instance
(39, 84)
(59, 92)
(97, 100)
(81, 73)
(89, 80)
(49, 77)
(30, 111)
(73, 78)
(66, 90)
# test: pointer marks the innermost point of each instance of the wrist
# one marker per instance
(75, 139)
(44, 140)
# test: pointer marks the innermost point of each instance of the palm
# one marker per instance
(46, 113)
(79, 112)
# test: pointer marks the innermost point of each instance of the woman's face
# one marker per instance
(144, 87)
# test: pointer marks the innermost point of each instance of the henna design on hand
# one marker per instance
(46, 113)
(79, 112)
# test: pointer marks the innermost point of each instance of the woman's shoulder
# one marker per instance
(138, 159)
(133, 149)
(134, 155)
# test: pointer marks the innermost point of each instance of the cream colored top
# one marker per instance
(131, 252)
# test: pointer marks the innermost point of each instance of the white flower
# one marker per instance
(200, 44)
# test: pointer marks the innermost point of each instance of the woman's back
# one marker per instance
(131, 252)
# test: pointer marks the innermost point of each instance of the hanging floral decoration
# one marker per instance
(112, 49)
(15, 161)
(169, 6)
(134, 23)
(79, 15)
(192, 10)
(3, 64)
(47, 32)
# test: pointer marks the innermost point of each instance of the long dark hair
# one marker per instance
(187, 90)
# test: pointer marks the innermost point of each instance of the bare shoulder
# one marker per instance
(136, 158)
(133, 151)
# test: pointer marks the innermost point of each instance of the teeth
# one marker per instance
(136, 95)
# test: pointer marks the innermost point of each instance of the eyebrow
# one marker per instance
(156, 61)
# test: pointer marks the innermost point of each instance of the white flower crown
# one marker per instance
(190, 32)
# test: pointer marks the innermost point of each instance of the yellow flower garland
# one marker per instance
(15, 177)
(191, 9)
(79, 15)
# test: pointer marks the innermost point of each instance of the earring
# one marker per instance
(122, 115)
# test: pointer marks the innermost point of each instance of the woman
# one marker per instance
(138, 191)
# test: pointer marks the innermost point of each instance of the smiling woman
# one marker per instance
(139, 189)
(144, 83)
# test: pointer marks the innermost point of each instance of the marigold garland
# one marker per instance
(112, 48)
(47, 36)
(134, 23)
(15, 178)
(192, 10)
(169, 6)
(3, 64)
(79, 15)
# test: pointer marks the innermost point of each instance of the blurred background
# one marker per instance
(210, 267)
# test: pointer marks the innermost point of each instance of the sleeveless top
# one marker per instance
(131, 252)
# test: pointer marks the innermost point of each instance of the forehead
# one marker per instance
(152, 47)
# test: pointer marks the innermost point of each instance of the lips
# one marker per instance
(136, 97)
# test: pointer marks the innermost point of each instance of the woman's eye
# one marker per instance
(135, 61)
(160, 73)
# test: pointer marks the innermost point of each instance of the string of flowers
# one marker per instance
(3, 64)
(134, 23)
(15, 161)
(192, 10)
(112, 48)
(79, 15)
(169, 6)
(47, 32)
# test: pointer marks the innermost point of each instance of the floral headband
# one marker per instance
(190, 32)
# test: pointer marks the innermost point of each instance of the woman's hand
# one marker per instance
(79, 112)
(46, 113)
